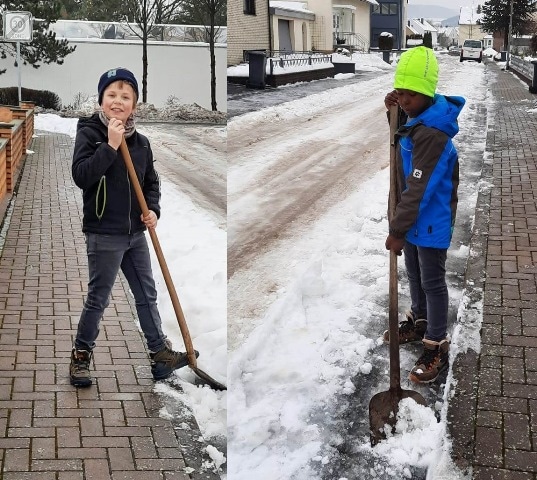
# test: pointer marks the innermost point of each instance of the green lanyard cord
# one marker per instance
(102, 184)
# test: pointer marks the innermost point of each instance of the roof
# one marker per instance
(422, 24)
(291, 6)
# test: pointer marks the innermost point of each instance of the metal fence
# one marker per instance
(298, 61)
(526, 69)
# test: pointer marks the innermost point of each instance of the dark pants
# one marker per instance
(106, 255)
(426, 271)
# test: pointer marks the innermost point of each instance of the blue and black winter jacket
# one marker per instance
(110, 203)
(428, 175)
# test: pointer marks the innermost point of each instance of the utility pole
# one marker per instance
(509, 37)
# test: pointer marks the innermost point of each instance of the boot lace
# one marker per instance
(428, 357)
(167, 355)
(81, 363)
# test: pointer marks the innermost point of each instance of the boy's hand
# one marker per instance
(150, 220)
(395, 244)
(391, 99)
(116, 130)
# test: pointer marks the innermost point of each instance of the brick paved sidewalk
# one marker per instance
(493, 416)
(48, 429)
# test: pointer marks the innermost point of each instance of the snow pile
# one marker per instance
(490, 52)
(416, 438)
(173, 111)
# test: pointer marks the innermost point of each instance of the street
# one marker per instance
(193, 157)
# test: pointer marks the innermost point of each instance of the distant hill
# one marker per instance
(451, 22)
(431, 11)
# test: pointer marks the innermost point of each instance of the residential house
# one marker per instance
(312, 25)
(469, 27)
(422, 26)
(448, 36)
(248, 28)
(389, 16)
(351, 22)
(292, 26)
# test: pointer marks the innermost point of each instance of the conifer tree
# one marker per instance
(496, 16)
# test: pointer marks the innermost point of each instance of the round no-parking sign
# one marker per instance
(18, 27)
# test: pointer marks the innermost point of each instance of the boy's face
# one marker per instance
(413, 103)
(119, 100)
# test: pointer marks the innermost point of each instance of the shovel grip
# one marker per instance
(395, 372)
(160, 256)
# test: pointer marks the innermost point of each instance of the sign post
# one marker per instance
(18, 27)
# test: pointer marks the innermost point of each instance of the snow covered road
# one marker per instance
(193, 157)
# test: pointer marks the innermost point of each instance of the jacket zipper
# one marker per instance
(130, 202)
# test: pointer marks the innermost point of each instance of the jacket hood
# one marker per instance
(442, 114)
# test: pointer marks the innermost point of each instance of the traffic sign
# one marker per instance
(18, 27)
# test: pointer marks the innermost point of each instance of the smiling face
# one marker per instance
(413, 103)
(119, 100)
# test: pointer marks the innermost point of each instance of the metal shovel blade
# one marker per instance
(206, 379)
(383, 408)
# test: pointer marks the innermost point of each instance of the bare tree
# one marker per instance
(148, 15)
(211, 14)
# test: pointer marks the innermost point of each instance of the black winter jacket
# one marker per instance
(110, 203)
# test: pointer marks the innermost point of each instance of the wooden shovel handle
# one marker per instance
(393, 313)
(160, 256)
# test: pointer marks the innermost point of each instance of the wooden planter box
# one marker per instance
(13, 133)
(27, 116)
(3, 177)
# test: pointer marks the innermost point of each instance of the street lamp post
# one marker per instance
(509, 37)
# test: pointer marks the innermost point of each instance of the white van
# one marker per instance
(472, 50)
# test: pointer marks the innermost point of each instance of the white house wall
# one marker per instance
(322, 30)
(363, 19)
(180, 69)
(321, 35)
(295, 27)
(473, 32)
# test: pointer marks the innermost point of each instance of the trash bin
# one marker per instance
(257, 69)
(503, 56)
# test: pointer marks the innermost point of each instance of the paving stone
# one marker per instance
(48, 429)
(503, 413)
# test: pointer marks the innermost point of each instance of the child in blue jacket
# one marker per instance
(422, 226)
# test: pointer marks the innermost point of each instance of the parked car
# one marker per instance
(472, 50)
(454, 50)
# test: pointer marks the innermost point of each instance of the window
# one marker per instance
(335, 21)
(386, 9)
(249, 7)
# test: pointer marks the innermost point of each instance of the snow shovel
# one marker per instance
(192, 363)
(384, 406)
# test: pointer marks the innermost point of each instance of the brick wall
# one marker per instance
(246, 32)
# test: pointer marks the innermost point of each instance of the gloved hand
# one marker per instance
(395, 244)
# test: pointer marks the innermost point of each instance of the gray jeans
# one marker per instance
(426, 271)
(106, 255)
